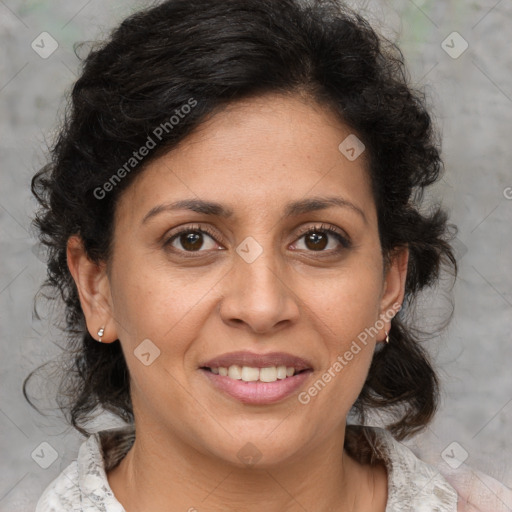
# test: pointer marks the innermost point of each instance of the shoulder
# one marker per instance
(478, 492)
(412, 483)
(62, 493)
(83, 485)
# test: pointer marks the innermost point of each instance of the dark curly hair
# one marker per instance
(216, 53)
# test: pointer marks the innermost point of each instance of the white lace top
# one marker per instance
(413, 485)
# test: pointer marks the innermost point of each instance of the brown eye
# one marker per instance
(191, 240)
(317, 239)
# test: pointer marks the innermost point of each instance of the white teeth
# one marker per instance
(281, 372)
(235, 372)
(268, 374)
(252, 374)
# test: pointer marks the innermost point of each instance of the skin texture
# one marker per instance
(253, 157)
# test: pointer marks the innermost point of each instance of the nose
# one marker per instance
(257, 295)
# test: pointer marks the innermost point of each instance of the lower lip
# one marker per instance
(257, 392)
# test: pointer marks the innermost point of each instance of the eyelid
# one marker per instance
(323, 227)
(332, 230)
(210, 231)
(341, 235)
(169, 237)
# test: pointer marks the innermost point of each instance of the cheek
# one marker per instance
(143, 299)
(344, 310)
(340, 382)
(347, 303)
(159, 303)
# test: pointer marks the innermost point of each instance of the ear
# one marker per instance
(93, 286)
(393, 289)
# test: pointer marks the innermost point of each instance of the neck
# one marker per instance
(160, 470)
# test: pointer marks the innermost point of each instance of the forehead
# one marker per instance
(253, 156)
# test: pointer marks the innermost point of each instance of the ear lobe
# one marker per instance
(93, 289)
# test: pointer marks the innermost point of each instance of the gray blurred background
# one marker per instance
(470, 92)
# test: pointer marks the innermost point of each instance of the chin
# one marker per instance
(260, 451)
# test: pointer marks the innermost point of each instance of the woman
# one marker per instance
(234, 222)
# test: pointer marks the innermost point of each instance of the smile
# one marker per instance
(253, 374)
(257, 386)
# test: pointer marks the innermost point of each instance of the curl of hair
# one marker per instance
(216, 53)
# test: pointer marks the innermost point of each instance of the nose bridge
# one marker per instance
(256, 293)
(257, 265)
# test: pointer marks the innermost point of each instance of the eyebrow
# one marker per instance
(292, 208)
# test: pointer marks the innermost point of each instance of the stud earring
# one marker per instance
(100, 333)
(387, 337)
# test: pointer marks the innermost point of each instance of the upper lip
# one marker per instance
(245, 358)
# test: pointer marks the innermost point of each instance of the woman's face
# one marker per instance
(253, 283)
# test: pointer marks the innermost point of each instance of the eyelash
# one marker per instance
(323, 228)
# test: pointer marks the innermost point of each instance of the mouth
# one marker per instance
(258, 379)
(254, 374)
